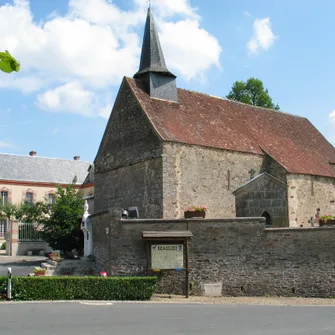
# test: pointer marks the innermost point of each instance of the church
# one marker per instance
(166, 148)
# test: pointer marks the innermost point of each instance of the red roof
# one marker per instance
(204, 120)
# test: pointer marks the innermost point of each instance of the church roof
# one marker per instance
(42, 169)
(204, 120)
(152, 57)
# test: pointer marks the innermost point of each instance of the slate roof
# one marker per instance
(152, 57)
(42, 169)
(204, 120)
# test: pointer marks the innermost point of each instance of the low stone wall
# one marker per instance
(239, 253)
(36, 248)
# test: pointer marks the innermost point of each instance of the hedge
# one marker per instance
(80, 288)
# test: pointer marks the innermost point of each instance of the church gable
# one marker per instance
(262, 182)
(129, 137)
(264, 196)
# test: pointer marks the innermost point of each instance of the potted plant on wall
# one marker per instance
(195, 211)
(38, 271)
(327, 220)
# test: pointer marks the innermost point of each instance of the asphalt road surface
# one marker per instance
(19, 268)
(163, 319)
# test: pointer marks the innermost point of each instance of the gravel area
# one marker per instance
(275, 301)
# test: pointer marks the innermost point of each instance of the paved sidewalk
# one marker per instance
(275, 301)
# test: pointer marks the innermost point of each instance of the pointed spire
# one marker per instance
(152, 66)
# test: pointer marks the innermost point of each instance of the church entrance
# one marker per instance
(267, 217)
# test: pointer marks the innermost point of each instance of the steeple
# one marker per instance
(158, 81)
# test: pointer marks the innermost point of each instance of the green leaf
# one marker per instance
(8, 63)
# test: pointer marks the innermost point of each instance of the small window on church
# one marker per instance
(267, 217)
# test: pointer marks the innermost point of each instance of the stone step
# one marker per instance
(47, 266)
(51, 262)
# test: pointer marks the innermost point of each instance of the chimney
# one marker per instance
(32, 153)
(76, 158)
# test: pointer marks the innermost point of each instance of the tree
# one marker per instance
(8, 63)
(61, 220)
(252, 92)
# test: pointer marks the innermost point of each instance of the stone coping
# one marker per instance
(283, 229)
(223, 220)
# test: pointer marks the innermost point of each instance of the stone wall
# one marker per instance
(195, 175)
(263, 194)
(270, 166)
(128, 169)
(135, 185)
(239, 253)
(306, 194)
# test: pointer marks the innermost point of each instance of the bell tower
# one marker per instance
(157, 80)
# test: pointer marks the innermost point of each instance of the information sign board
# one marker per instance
(167, 256)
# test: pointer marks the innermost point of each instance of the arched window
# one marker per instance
(267, 217)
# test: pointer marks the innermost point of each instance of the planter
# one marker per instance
(195, 214)
(39, 274)
(330, 222)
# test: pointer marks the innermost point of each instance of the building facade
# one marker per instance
(166, 148)
(30, 179)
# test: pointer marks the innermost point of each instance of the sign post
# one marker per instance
(168, 250)
(9, 284)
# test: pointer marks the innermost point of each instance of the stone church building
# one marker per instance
(165, 148)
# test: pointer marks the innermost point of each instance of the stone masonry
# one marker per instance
(239, 253)
(308, 193)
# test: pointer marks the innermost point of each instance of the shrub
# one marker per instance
(3, 246)
(82, 288)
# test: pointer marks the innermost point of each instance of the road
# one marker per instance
(20, 267)
(74, 318)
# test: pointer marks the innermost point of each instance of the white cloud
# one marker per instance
(246, 13)
(105, 111)
(26, 84)
(332, 116)
(193, 52)
(263, 37)
(6, 144)
(54, 131)
(94, 45)
(71, 98)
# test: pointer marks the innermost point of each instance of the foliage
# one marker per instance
(327, 217)
(193, 208)
(8, 63)
(3, 246)
(59, 223)
(252, 92)
(8, 211)
(81, 288)
(61, 220)
(23, 212)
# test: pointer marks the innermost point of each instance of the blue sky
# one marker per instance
(74, 53)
